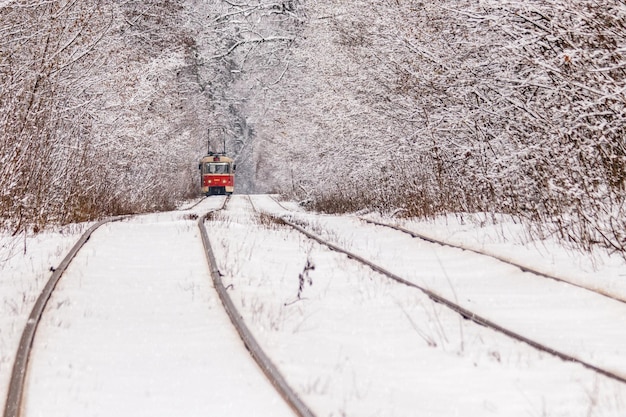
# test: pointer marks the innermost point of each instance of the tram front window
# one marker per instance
(213, 168)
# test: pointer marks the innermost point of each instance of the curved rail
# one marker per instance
(524, 268)
(264, 362)
(465, 313)
(20, 365)
(193, 205)
(15, 392)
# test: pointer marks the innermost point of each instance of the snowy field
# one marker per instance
(350, 341)
(358, 344)
(509, 240)
(25, 264)
(134, 328)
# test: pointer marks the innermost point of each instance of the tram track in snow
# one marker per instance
(302, 226)
(503, 259)
(262, 359)
(18, 388)
(260, 206)
(523, 268)
(22, 357)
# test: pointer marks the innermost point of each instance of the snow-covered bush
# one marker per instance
(423, 108)
(100, 112)
(502, 106)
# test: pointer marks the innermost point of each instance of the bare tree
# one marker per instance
(479, 106)
(248, 60)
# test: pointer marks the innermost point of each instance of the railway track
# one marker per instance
(264, 362)
(29, 385)
(20, 365)
(611, 369)
(523, 268)
(315, 311)
(503, 259)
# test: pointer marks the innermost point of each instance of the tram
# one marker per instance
(217, 174)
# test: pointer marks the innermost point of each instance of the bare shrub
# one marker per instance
(269, 221)
(491, 106)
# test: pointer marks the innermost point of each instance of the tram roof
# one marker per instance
(216, 158)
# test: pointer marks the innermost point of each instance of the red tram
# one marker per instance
(217, 173)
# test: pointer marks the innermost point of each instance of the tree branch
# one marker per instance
(257, 41)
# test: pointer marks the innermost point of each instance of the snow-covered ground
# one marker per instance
(349, 340)
(357, 343)
(567, 318)
(25, 264)
(508, 239)
(135, 328)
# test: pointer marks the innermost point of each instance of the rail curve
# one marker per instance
(264, 362)
(502, 259)
(20, 365)
(17, 383)
(464, 312)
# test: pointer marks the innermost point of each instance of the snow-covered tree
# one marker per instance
(433, 107)
(503, 106)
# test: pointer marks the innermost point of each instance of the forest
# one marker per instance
(410, 108)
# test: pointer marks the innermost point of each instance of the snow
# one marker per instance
(502, 236)
(135, 327)
(382, 349)
(25, 264)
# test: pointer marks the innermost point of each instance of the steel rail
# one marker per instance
(193, 205)
(13, 406)
(15, 393)
(465, 313)
(524, 268)
(267, 366)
